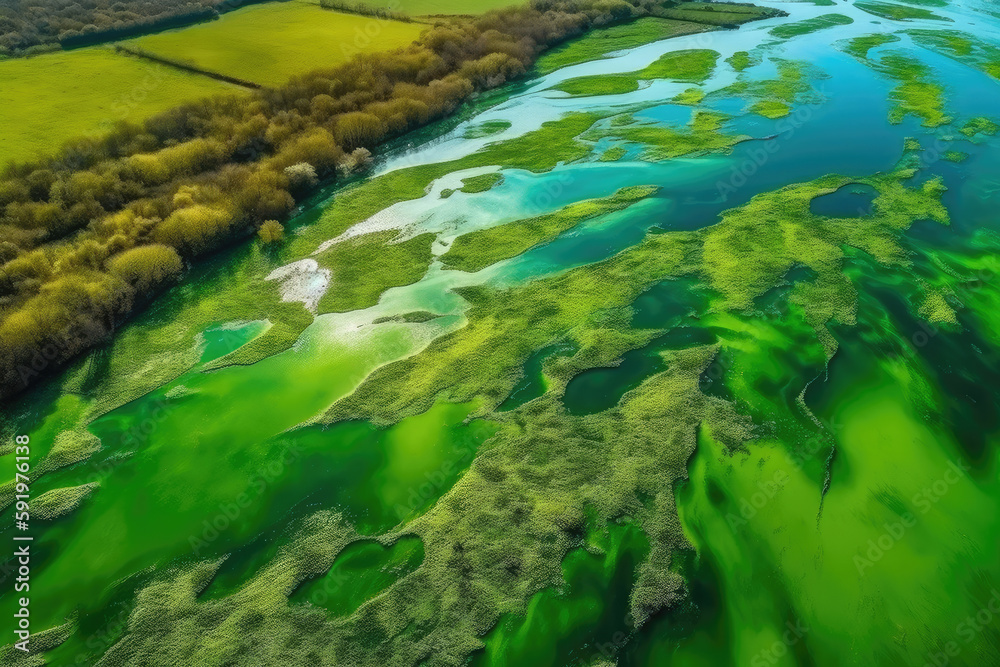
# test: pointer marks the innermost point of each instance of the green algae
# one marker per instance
(931, 309)
(500, 534)
(968, 50)
(774, 98)
(539, 150)
(59, 502)
(741, 258)
(980, 125)
(948, 41)
(742, 60)
(809, 26)
(241, 292)
(689, 66)
(360, 572)
(477, 250)
(482, 183)
(486, 129)
(771, 108)
(692, 65)
(363, 267)
(69, 447)
(690, 97)
(475, 184)
(879, 426)
(604, 563)
(495, 553)
(598, 44)
(740, 270)
(613, 154)
(702, 135)
(414, 317)
(533, 382)
(608, 84)
(896, 12)
(716, 13)
(860, 46)
(916, 93)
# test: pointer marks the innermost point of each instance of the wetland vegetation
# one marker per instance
(677, 342)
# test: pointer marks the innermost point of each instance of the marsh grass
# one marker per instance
(898, 12)
(690, 66)
(500, 534)
(809, 26)
(598, 44)
(476, 250)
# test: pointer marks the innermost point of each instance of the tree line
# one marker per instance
(28, 26)
(91, 234)
(353, 7)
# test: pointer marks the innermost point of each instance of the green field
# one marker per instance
(270, 43)
(48, 99)
(431, 7)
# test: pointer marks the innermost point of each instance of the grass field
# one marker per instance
(269, 43)
(51, 98)
(431, 7)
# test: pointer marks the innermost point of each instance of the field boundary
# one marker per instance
(362, 9)
(187, 67)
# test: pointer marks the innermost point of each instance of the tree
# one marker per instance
(357, 129)
(194, 229)
(146, 267)
(357, 160)
(301, 177)
(271, 231)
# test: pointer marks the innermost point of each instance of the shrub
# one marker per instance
(358, 160)
(271, 231)
(193, 229)
(301, 177)
(146, 267)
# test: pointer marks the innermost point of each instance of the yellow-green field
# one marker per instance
(50, 98)
(431, 7)
(270, 43)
